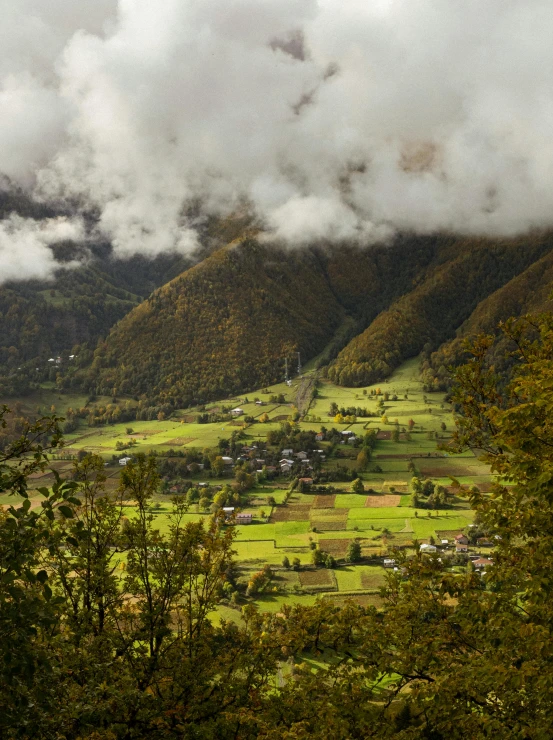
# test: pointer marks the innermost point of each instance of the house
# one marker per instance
(195, 467)
(319, 437)
(174, 489)
(482, 563)
(444, 543)
(124, 460)
(286, 460)
(227, 460)
(287, 452)
(306, 481)
(236, 412)
(461, 539)
(346, 433)
(428, 548)
(389, 562)
(461, 547)
(285, 468)
(271, 469)
(484, 542)
(301, 455)
(243, 519)
(260, 403)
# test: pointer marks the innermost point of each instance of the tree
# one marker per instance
(363, 458)
(285, 562)
(353, 554)
(264, 418)
(317, 557)
(357, 486)
(395, 434)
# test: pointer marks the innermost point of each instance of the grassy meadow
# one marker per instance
(381, 518)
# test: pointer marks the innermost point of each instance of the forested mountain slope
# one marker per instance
(529, 292)
(226, 324)
(41, 320)
(428, 315)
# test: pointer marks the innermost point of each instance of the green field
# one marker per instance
(372, 519)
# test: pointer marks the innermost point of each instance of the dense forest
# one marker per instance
(90, 650)
(527, 293)
(227, 324)
(432, 311)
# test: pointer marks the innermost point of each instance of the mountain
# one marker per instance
(69, 314)
(468, 271)
(528, 293)
(178, 331)
(227, 324)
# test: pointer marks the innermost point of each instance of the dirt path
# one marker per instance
(303, 396)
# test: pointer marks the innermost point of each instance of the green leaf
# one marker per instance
(66, 511)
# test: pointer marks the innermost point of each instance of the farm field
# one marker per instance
(289, 525)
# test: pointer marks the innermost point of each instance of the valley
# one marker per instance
(291, 519)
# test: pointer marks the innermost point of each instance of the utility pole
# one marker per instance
(299, 364)
(286, 378)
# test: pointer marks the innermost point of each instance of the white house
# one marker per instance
(227, 460)
(428, 548)
(301, 455)
(124, 460)
(287, 452)
(237, 412)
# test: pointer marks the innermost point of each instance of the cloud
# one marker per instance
(24, 246)
(334, 121)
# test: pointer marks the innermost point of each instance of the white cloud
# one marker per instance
(24, 246)
(336, 121)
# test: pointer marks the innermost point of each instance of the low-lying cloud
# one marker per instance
(334, 121)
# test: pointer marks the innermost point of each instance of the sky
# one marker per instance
(330, 121)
